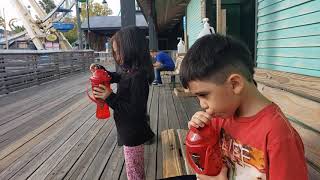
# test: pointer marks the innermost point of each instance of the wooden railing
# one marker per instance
(21, 69)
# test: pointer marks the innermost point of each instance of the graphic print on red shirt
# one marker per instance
(247, 162)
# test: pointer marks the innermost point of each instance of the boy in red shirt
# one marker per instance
(257, 140)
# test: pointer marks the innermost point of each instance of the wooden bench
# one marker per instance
(178, 91)
(174, 154)
(176, 71)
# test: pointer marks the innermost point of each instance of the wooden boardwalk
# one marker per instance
(50, 132)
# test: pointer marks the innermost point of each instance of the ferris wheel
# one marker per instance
(45, 27)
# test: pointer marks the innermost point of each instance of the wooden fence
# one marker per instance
(21, 69)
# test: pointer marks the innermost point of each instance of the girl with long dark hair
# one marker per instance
(131, 53)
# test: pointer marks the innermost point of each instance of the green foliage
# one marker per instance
(72, 35)
(1, 21)
(95, 9)
(18, 29)
(47, 5)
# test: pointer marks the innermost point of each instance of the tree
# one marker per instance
(1, 21)
(47, 5)
(95, 9)
(15, 28)
(18, 29)
(71, 35)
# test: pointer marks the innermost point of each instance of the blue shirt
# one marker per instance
(165, 59)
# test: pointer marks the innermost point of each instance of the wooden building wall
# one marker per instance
(288, 36)
(194, 21)
(288, 61)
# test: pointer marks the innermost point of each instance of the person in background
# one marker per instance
(163, 62)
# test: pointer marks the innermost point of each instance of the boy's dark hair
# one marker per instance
(215, 57)
(133, 50)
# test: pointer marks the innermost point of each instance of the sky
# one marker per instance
(10, 11)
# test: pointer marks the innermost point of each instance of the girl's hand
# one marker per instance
(101, 92)
(222, 176)
(93, 67)
(199, 119)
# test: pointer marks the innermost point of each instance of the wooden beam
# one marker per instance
(305, 86)
(303, 115)
(179, 91)
(182, 133)
(224, 22)
(152, 26)
(303, 111)
(314, 173)
(218, 18)
(311, 144)
(203, 8)
(128, 13)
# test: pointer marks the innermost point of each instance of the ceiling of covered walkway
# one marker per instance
(167, 12)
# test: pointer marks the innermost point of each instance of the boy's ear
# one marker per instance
(236, 82)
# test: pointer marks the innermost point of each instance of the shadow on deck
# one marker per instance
(50, 132)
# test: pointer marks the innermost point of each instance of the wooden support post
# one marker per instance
(185, 33)
(128, 15)
(3, 86)
(224, 22)
(218, 18)
(203, 9)
(153, 34)
(36, 71)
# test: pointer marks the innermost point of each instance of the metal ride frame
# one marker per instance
(38, 29)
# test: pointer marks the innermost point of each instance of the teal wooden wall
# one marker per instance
(288, 36)
(194, 24)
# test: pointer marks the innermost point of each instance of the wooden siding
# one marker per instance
(298, 96)
(288, 36)
(194, 24)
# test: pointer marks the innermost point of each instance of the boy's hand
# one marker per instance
(199, 119)
(222, 176)
(157, 64)
(101, 92)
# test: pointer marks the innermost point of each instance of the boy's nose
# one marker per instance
(203, 105)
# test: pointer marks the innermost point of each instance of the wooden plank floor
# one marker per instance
(50, 132)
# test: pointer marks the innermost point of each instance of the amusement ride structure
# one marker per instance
(45, 30)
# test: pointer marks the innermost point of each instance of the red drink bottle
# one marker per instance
(203, 150)
(100, 76)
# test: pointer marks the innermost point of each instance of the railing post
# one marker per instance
(54, 57)
(3, 75)
(72, 59)
(83, 61)
(35, 59)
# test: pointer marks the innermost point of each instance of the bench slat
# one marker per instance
(182, 136)
(171, 158)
